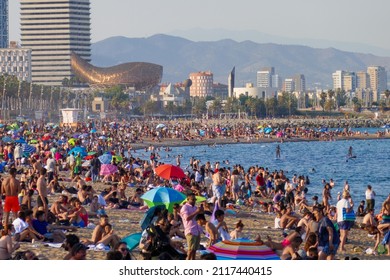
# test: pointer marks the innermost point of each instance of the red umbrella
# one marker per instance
(89, 157)
(168, 171)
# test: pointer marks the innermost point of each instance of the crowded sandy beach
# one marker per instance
(84, 193)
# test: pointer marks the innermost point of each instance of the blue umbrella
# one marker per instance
(28, 149)
(78, 150)
(105, 159)
(21, 141)
(149, 215)
(93, 130)
(7, 139)
(132, 240)
(163, 196)
(268, 130)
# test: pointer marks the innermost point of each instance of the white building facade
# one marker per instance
(16, 62)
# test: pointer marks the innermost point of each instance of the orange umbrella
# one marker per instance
(168, 171)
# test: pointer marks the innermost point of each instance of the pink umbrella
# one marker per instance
(108, 169)
(279, 134)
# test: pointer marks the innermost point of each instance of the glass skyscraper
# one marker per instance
(4, 24)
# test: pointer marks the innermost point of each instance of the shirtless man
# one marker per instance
(10, 188)
(288, 220)
(42, 200)
(98, 234)
(211, 230)
(218, 181)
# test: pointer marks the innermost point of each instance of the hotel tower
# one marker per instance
(53, 29)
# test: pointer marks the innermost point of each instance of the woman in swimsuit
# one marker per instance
(6, 245)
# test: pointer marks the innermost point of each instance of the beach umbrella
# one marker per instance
(163, 196)
(161, 125)
(89, 157)
(279, 134)
(168, 171)
(91, 153)
(93, 130)
(149, 215)
(78, 150)
(28, 149)
(202, 132)
(242, 249)
(21, 141)
(132, 240)
(105, 158)
(108, 169)
(7, 139)
(102, 137)
(33, 141)
(72, 141)
(117, 158)
(267, 130)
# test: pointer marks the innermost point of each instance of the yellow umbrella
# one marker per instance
(72, 141)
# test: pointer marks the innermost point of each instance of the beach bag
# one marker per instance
(349, 216)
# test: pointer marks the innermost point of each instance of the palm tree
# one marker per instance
(387, 94)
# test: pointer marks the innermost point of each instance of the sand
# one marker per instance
(126, 222)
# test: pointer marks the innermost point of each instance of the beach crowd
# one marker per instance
(56, 179)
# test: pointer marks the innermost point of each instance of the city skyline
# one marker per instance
(330, 21)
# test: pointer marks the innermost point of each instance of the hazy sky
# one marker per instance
(360, 21)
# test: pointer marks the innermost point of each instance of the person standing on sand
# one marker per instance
(192, 230)
(42, 200)
(344, 225)
(328, 238)
(10, 188)
(370, 198)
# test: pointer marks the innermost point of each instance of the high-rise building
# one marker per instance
(378, 78)
(289, 85)
(362, 80)
(202, 84)
(300, 82)
(53, 29)
(231, 81)
(264, 77)
(349, 82)
(4, 31)
(338, 79)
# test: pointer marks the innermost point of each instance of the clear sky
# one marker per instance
(359, 21)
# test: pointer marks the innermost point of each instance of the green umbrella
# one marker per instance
(33, 141)
(91, 153)
(117, 158)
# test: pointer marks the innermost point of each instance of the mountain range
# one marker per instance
(180, 56)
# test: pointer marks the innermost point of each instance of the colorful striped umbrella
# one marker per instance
(28, 149)
(242, 249)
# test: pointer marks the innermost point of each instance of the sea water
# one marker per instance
(316, 159)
